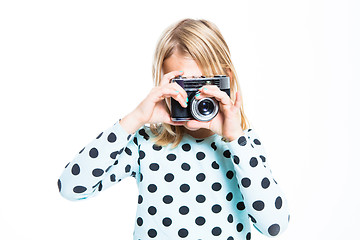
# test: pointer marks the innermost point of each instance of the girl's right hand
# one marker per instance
(153, 108)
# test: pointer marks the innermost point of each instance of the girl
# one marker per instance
(196, 180)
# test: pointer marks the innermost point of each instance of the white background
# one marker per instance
(70, 69)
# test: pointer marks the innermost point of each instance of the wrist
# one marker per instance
(233, 136)
(131, 122)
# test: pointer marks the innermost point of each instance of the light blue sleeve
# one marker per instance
(265, 202)
(110, 157)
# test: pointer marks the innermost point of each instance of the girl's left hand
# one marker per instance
(227, 123)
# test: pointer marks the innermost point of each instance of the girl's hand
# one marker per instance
(227, 122)
(153, 108)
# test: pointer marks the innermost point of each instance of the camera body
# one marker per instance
(203, 109)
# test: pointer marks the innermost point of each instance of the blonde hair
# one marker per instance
(203, 41)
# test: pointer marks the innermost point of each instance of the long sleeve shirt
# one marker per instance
(202, 189)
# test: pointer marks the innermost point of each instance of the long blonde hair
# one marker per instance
(202, 40)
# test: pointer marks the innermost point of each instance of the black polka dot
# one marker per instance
(230, 238)
(112, 137)
(135, 140)
(185, 167)
(214, 165)
(246, 182)
(143, 133)
(152, 210)
(114, 154)
(229, 196)
(99, 135)
(200, 198)
(108, 168)
(127, 168)
(97, 172)
(154, 166)
(183, 233)
(200, 221)
(128, 151)
(167, 221)
(252, 218)
(230, 218)
(274, 229)
(227, 154)
(278, 202)
(156, 147)
(257, 142)
(183, 210)
(128, 137)
(141, 177)
(186, 147)
(239, 227)
(75, 170)
(167, 199)
(93, 153)
(169, 177)
(263, 158)
(82, 150)
(171, 157)
(258, 205)
(121, 150)
(79, 189)
(216, 186)
(216, 231)
(213, 146)
(265, 183)
(152, 188)
(59, 184)
(141, 154)
(139, 221)
(184, 188)
(112, 178)
(236, 159)
(216, 208)
(140, 199)
(240, 206)
(230, 174)
(242, 141)
(248, 236)
(152, 233)
(200, 177)
(200, 156)
(253, 162)
(100, 186)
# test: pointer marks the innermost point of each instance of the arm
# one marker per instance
(264, 201)
(107, 159)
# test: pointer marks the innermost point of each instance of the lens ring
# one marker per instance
(197, 114)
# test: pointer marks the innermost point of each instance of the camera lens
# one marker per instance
(206, 107)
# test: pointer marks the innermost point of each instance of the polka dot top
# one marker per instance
(202, 189)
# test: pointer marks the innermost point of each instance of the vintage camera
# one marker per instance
(203, 109)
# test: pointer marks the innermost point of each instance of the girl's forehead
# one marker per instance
(181, 63)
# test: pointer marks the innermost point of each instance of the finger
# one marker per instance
(165, 92)
(237, 101)
(175, 123)
(198, 124)
(214, 91)
(180, 89)
(170, 75)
